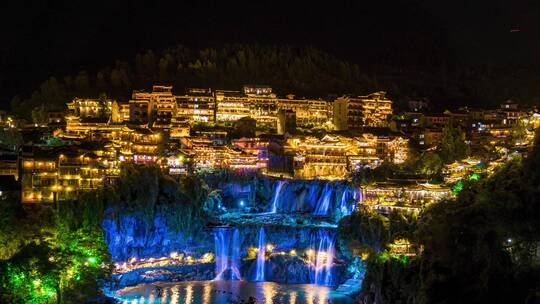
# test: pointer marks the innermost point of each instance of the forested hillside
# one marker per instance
(303, 71)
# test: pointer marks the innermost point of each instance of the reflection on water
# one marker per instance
(222, 292)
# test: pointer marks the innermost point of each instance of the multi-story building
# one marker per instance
(90, 108)
(356, 112)
(326, 157)
(286, 121)
(436, 120)
(308, 111)
(78, 173)
(39, 175)
(254, 146)
(155, 108)
(511, 112)
(60, 174)
(429, 137)
(196, 105)
(9, 164)
(207, 155)
(384, 195)
(139, 145)
(231, 106)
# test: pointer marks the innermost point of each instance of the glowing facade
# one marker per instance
(356, 112)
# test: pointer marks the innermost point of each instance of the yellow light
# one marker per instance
(310, 252)
(292, 252)
(269, 247)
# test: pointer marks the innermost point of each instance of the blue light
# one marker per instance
(241, 203)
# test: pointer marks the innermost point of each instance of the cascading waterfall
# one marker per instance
(323, 204)
(346, 196)
(227, 242)
(277, 193)
(323, 248)
(260, 257)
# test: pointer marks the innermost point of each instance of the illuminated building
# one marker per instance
(39, 176)
(393, 149)
(313, 158)
(511, 112)
(91, 128)
(139, 144)
(403, 193)
(196, 105)
(334, 156)
(76, 173)
(179, 129)
(62, 174)
(262, 105)
(119, 112)
(308, 111)
(177, 164)
(156, 107)
(254, 146)
(363, 152)
(206, 155)
(356, 112)
(9, 164)
(231, 106)
(139, 110)
(460, 169)
(89, 108)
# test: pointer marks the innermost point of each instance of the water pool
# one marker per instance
(212, 292)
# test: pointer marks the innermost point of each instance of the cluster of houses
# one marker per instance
(248, 130)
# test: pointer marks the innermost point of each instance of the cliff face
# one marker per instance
(293, 253)
(321, 198)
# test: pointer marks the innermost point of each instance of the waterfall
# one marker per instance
(324, 257)
(323, 204)
(260, 257)
(343, 204)
(227, 254)
(277, 192)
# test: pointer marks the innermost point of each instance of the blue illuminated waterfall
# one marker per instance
(323, 204)
(349, 194)
(227, 242)
(322, 257)
(260, 257)
(277, 193)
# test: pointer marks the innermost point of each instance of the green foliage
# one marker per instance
(457, 187)
(53, 257)
(430, 165)
(368, 231)
(368, 175)
(391, 279)
(144, 191)
(29, 277)
(453, 146)
(482, 246)
(519, 132)
(305, 71)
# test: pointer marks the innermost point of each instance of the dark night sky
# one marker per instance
(42, 38)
